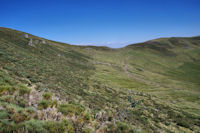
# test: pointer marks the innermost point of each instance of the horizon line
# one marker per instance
(102, 43)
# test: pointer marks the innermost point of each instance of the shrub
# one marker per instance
(47, 95)
(55, 127)
(7, 90)
(69, 126)
(86, 130)
(35, 126)
(86, 117)
(11, 90)
(183, 123)
(120, 127)
(82, 118)
(7, 98)
(68, 109)
(21, 102)
(23, 90)
(54, 103)
(30, 110)
(20, 116)
(7, 127)
(43, 104)
(2, 90)
(2, 53)
(3, 114)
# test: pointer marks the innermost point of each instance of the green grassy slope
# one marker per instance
(149, 87)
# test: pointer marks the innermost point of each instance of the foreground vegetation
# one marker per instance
(48, 86)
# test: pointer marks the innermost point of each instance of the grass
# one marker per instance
(97, 81)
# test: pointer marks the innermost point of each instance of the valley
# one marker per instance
(147, 87)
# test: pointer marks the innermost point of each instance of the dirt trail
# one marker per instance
(106, 63)
(127, 69)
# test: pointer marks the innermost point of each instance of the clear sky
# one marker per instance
(114, 23)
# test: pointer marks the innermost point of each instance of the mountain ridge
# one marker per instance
(160, 38)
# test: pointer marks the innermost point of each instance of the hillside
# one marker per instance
(48, 86)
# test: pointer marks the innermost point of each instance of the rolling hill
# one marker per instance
(48, 86)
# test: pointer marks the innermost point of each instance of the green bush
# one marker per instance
(86, 117)
(47, 95)
(69, 126)
(68, 109)
(43, 104)
(8, 89)
(30, 110)
(4, 114)
(20, 116)
(55, 127)
(21, 102)
(86, 130)
(12, 89)
(35, 126)
(7, 126)
(2, 53)
(54, 103)
(7, 98)
(183, 123)
(3, 89)
(23, 90)
(5, 79)
(120, 127)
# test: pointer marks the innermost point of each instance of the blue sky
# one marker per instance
(114, 23)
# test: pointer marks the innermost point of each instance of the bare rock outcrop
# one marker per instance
(31, 43)
(26, 35)
(43, 42)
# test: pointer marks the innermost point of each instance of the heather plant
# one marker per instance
(44, 104)
(23, 90)
(6, 89)
(55, 127)
(47, 96)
